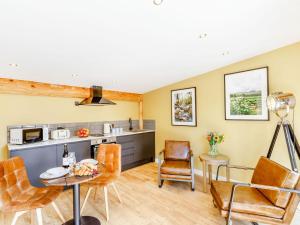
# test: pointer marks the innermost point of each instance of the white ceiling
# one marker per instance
(133, 45)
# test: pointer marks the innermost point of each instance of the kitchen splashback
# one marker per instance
(94, 127)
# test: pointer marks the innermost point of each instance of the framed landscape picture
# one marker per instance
(184, 110)
(245, 95)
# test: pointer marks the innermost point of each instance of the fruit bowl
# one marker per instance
(83, 132)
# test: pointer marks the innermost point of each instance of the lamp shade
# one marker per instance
(281, 101)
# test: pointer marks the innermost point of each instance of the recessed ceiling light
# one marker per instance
(157, 2)
(204, 35)
(75, 75)
(13, 65)
(225, 53)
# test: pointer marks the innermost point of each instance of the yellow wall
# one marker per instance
(245, 141)
(19, 109)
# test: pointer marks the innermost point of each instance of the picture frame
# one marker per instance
(245, 94)
(184, 107)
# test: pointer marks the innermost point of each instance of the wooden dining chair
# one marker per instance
(18, 196)
(109, 155)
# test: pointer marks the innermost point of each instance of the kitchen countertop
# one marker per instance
(71, 140)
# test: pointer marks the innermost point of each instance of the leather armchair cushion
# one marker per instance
(247, 200)
(109, 155)
(33, 198)
(105, 179)
(16, 192)
(177, 150)
(176, 167)
(268, 172)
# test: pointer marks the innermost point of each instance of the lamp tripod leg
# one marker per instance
(290, 146)
(294, 140)
(274, 139)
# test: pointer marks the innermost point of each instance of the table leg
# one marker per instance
(209, 174)
(204, 175)
(76, 204)
(77, 219)
(227, 173)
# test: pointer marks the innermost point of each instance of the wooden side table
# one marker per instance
(209, 161)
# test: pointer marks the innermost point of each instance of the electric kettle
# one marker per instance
(107, 127)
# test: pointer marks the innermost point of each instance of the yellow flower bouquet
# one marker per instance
(213, 139)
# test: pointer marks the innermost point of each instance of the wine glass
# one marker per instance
(72, 158)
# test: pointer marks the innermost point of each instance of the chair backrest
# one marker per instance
(110, 156)
(177, 150)
(268, 172)
(13, 180)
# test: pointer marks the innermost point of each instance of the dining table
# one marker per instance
(73, 181)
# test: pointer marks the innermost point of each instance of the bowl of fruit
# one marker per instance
(83, 132)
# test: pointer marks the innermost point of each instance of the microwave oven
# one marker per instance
(21, 136)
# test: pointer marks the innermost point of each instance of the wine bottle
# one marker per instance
(65, 157)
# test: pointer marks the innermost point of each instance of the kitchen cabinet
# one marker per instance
(137, 149)
(37, 161)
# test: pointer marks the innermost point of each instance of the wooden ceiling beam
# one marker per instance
(23, 87)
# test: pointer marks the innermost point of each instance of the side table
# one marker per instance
(209, 161)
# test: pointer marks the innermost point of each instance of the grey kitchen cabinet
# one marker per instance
(37, 160)
(82, 151)
(137, 149)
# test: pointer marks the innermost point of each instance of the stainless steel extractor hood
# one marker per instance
(96, 98)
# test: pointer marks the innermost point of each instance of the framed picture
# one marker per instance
(245, 95)
(184, 110)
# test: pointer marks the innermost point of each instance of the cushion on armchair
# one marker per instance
(268, 172)
(176, 168)
(177, 150)
(246, 200)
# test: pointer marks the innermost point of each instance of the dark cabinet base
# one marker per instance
(38, 160)
(137, 149)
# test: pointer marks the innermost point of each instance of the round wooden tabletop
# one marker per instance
(218, 159)
(69, 180)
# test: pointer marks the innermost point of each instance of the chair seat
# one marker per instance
(105, 179)
(247, 200)
(32, 198)
(176, 167)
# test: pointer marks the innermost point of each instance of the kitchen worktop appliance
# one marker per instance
(98, 140)
(60, 133)
(19, 136)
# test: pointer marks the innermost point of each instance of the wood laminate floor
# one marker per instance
(143, 203)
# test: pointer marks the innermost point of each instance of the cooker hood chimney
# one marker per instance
(95, 98)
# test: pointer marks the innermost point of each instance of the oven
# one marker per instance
(98, 141)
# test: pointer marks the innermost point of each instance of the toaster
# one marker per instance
(60, 134)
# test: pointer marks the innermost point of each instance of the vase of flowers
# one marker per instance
(214, 139)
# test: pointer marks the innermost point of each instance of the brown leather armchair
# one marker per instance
(178, 164)
(18, 196)
(109, 155)
(272, 196)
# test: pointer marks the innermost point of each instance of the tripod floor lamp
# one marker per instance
(281, 104)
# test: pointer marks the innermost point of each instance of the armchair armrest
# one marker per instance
(232, 167)
(160, 154)
(258, 186)
(191, 156)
